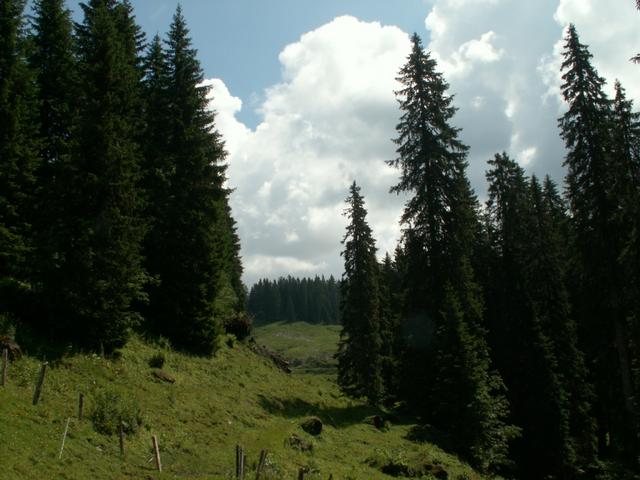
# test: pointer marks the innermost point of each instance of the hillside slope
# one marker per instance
(214, 404)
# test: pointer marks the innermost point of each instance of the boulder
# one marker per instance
(312, 425)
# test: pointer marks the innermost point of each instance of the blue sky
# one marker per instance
(239, 40)
(304, 95)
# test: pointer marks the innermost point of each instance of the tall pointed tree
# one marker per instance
(103, 258)
(591, 176)
(465, 395)
(185, 237)
(55, 66)
(18, 154)
(532, 329)
(360, 347)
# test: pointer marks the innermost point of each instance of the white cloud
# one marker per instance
(331, 118)
(329, 122)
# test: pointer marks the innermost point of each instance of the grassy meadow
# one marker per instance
(233, 398)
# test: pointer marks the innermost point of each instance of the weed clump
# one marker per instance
(157, 361)
(110, 410)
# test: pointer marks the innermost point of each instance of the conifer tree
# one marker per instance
(103, 258)
(54, 65)
(360, 347)
(18, 156)
(531, 326)
(440, 226)
(591, 179)
(185, 236)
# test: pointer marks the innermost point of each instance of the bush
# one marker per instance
(239, 325)
(110, 410)
(157, 361)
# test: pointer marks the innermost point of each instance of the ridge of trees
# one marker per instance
(114, 215)
(512, 327)
(288, 299)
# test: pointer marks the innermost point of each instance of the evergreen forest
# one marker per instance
(510, 327)
(312, 300)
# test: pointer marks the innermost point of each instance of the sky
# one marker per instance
(304, 95)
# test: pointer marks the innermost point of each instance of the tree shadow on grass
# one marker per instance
(338, 417)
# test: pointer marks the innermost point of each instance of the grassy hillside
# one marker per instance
(310, 348)
(236, 397)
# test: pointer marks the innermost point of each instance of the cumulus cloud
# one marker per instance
(329, 122)
(331, 119)
(502, 60)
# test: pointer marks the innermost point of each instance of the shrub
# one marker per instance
(157, 361)
(239, 325)
(110, 409)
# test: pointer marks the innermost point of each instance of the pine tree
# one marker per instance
(104, 276)
(54, 64)
(591, 180)
(531, 326)
(440, 226)
(191, 176)
(18, 157)
(360, 347)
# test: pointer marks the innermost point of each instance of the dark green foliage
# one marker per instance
(440, 228)
(596, 178)
(472, 411)
(311, 300)
(360, 347)
(110, 410)
(531, 325)
(52, 59)
(390, 327)
(188, 237)
(157, 361)
(104, 276)
(18, 156)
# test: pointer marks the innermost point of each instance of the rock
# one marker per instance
(163, 376)
(312, 425)
(379, 422)
(299, 443)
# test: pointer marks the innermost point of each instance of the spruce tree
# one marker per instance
(185, 236)
(18, 157)
(54, 64)
(531, 326)
(591, 180)
(440, 222)
(103, 259)
(360, 347)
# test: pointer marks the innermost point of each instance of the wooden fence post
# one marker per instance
(301, 473)
(261, 462)
(239, 462)
(156, 451)
(80, 406)
(5, 365)
(64, 437)
(121, 433)
(38, 390)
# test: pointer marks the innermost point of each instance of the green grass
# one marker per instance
(310, 348)
(233, 398)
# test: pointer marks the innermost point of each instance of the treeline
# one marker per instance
(114, 215)
(512, 327)
(312, 300)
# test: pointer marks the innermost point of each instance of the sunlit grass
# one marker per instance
(233, 398)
